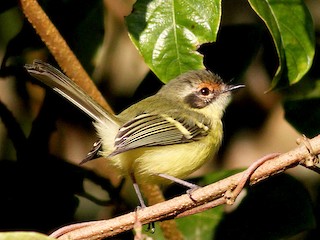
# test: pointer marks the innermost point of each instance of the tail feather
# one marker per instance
(67, 88)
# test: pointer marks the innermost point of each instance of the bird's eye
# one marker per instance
(205, 91)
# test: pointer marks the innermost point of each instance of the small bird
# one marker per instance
(160, 139)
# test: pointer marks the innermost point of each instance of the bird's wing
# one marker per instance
(148, 130)
(67, 88)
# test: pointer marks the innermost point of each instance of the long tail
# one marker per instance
(65, 87)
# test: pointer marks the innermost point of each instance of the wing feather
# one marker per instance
(148, 130)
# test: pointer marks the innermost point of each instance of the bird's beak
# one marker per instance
(230, 88)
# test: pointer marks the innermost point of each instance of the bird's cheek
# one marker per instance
(194, 101)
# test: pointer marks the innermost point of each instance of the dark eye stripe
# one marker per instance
(196, 101)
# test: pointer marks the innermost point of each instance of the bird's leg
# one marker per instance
(189, 185)
(178, 180)
(151, 226)
(137, 190)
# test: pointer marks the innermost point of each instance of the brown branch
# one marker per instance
(172, 208)
(154, 196)
(231, 194)
(60, 49)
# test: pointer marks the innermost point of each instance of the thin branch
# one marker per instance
(231, 195)
(60, 49)
(154, 196)
(176, 206)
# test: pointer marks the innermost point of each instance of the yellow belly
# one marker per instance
(177, 160)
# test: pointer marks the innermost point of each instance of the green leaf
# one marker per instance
(24, 236)
(291, 27)
(168, 33)
(201, 226)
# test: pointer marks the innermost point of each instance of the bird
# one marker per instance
(162, 138)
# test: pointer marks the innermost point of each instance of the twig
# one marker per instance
(313, 158)
(174, 207)
(154, 195)
(60, 49)
(231, 194)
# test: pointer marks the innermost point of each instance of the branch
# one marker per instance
(154, 196)
(60, 49)
(176, 206)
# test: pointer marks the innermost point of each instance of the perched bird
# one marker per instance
(163, 137)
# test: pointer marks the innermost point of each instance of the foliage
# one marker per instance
(168, 34)
(290, 25)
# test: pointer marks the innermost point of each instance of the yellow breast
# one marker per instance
(177, 160)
